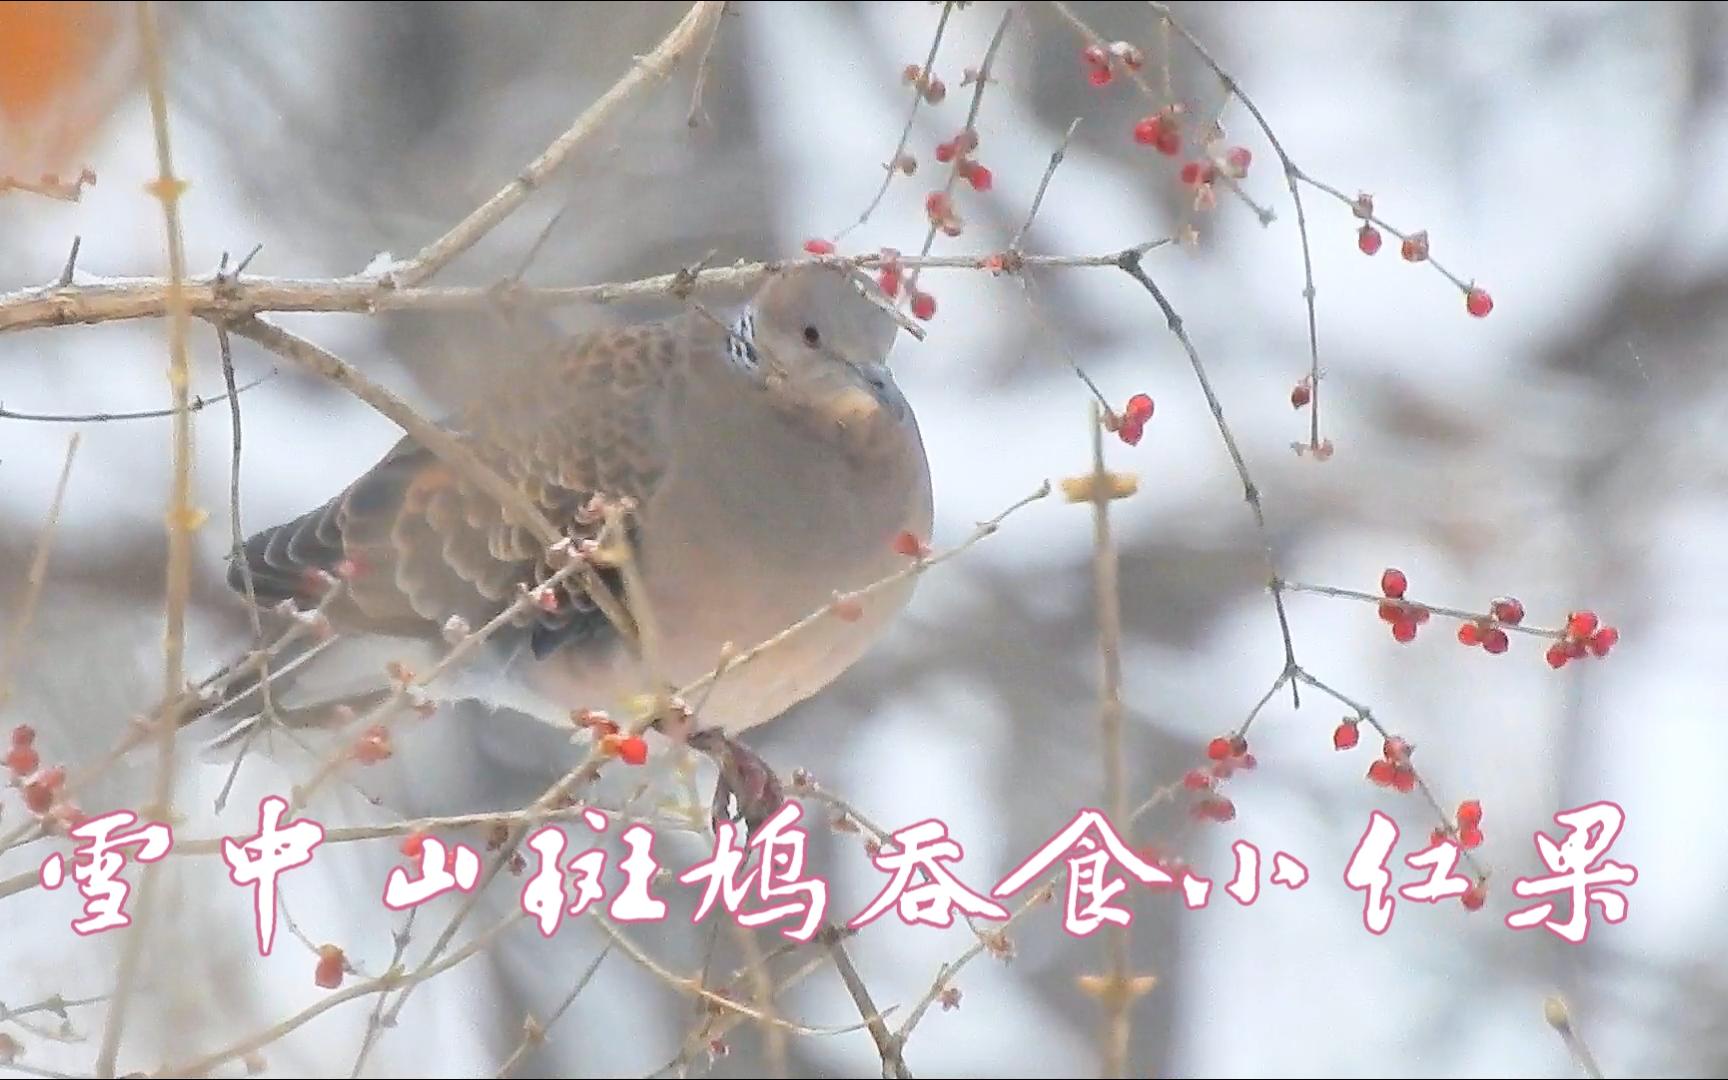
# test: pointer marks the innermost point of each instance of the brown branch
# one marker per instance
(214, 297)
(647, 70)
(167, 189)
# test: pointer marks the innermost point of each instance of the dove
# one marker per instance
(766, 461)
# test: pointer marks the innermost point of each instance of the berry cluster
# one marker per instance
(43, 789)
(1585, 636)
(1467, 830)
(1414, 249)
(959, 151)
(1130, 426)
(1392, 768)
(929, 86)
(1161, 130)
(1403, 617)
(630, 749)
(1227, 753)
(1100, 61)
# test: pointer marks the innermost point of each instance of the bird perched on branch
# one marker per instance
(761, 459)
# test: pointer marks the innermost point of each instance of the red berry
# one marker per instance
(1368, 239)
(1581, 624)
(980, 178)
(38, 797)
(1380, 772)
(1138, 409)
(1469, 837)
(23, 735)
(1094, 56)
(937, 205)
(1147, 130)
(23, 760)
(1496, 641)
(1195, 173)
(1403, 778)
(1478, 303)
(889, 280)
(935, 91)
(945, 152)
(1404, 631)
(818, 246)
(1215, 808)
(1469, 812)
(331, 964)
(1300, 396)
(1196, 780)
(924, 306)
(1169, 142)
(1508, 610)
(1344, 736)
(1390, 612)
(1603, 640)
(1238, 159)
(413, 844)
(1100, 76)
(1557, 656)
(1469, 634)
(1393, 583)
(1474, 897)
(1131, 431)
(1218, 749)
(907, 544)
(633, 749)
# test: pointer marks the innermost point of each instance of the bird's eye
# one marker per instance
(811, 336)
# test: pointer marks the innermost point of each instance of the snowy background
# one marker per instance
(1566, 449)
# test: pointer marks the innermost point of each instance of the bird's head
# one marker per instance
(817, 341)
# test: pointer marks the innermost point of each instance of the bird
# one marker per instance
(767, 462)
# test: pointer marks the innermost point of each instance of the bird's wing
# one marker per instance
(417, 543)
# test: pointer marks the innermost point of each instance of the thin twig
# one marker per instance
(195, 405)
(1559, 1017)
(891, 1051)
(1250, 492)
(535, 1032)
(891, 167)
(38, 575)
(644, 72)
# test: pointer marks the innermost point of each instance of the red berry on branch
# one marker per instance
(818, 246)
(1508, 610)
(1469, 634)
(1495, 641)
(1581, 624)
(1393, 583)
(1478, 303)
(1603, 640)
(1345, 735)
(1368, 239)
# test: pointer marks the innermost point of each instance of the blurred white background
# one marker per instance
(1566, 156)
